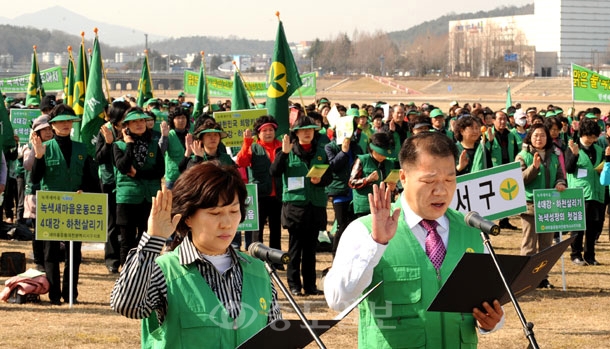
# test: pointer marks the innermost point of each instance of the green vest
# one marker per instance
(106, 171)
(592, 189)
(476, 164)
(361, 196)
(58, 176)
(496, 149)
(340, 179)
(137, 190)
(518, 138)
(173, 156)
(410, 283)
(259, 172)
(196, 318)
(541, 179)
(297, 168)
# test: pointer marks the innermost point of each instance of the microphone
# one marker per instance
(474, 220)
(268, 254)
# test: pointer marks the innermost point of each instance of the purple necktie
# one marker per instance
(435, 249)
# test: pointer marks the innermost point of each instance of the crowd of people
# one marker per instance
(144, 156)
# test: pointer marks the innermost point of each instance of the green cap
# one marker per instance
(181, 94)
(136, 115)
(64, 117)
(215, 107)
(550, 113)
(385, 152)
(260, 106)
(223, 134)
(352, 112)
(9, 99)
(590, 116)
(436, 112)
(150, 100)
(363, 112)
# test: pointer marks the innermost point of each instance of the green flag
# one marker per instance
(35, 90)
(201, 95)
(6, 128)
(95, 101)
(145, 85)
(283, 80)
(239, 97)
(80, 87)
(589, 86)
(69, 82)
(509, 99)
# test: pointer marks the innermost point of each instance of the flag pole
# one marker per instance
(82, 44)
(205, 76)
(244, 81)
(38, 75)
(103, 71)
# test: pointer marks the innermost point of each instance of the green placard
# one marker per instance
(52, 80)
(21, 120)
(70, 216)
(251, 221)
(235, 122)
(559, 211)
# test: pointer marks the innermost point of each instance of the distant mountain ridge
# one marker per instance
(62, 19)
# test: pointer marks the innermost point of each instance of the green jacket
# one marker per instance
(496, 149)
(410, 284)
(57, 176)
(592, 189)
(196, 318)
(259, 172)
(173, 156)
(297, 188)
(137, 190)
(341, 167)
(369, 165)
(474, 164)
(546, 177)
(106, 170)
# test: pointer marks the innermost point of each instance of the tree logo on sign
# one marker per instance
(509, 189)
(277, 80)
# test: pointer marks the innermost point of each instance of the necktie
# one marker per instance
(435, 249)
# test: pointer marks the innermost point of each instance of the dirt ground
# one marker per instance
(575, 318)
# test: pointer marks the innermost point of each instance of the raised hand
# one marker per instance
(126, 136)
(573, 147)
(247, 134)
(463, 161)
(39, 148)
(286, 145)
(373, 177)
(188, 144)
(384, 221)
(197, 148)
(160, 222)
(164, 128)
(345, 145)
(537, 161)
(107, 134)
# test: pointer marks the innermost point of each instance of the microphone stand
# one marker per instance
(278, 282)
(528, 327)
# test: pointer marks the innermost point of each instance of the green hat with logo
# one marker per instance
(64, 117)
(136, 115)
(388, 153)
(436, 112)
(353, 112)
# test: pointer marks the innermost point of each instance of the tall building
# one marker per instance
(560, 32)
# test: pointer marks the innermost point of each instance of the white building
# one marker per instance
(560, 32)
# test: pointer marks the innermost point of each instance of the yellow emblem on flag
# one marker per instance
(277, 80)
(263, 303)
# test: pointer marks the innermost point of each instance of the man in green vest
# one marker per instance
(413, 247)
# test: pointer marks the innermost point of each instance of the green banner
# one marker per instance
(251, 221)
(52, 80)
(235, 122)
(21, 120)
(559, 211)
(219, 87)
(589, 86)
(69, 216)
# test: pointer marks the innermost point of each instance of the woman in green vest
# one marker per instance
(109, 132)
(472, 156)
(206, 144)
(179, 148)
(61, 164)
(541, 170)
(139, 167)
(203, 294)
(304, 201)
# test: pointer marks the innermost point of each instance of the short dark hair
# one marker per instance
(432, 143)
(261, 120)
(589, 127)
(382, 140)
(116, 112)
(206, 185)
(178, 111)
(464, 122)
(534, 127)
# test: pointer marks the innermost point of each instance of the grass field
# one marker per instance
(576, 318)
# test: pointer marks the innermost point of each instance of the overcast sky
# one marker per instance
(303, 20)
